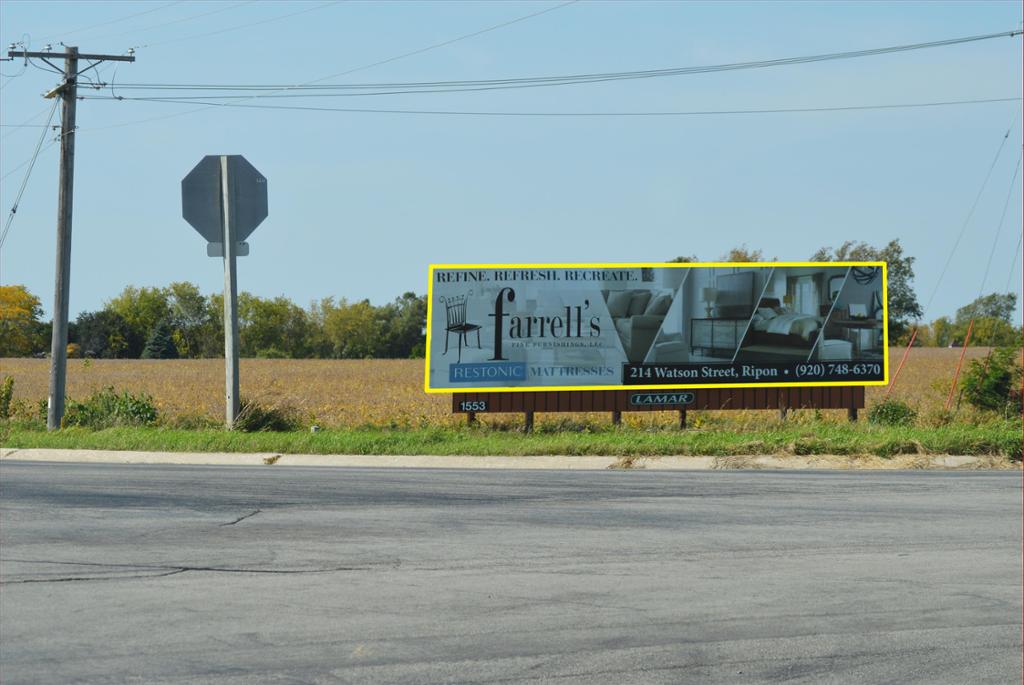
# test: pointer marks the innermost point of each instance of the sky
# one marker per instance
(362, 202)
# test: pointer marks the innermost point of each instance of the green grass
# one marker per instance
(998, 438)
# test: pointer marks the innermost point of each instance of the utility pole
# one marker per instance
(68, 90)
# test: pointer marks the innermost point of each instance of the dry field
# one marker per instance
(387, 392)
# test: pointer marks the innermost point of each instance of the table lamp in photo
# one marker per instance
(708, 296)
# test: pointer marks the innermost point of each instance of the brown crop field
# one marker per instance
(388, 392)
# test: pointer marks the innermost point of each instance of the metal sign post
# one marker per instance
(230, 300)
(224, 198)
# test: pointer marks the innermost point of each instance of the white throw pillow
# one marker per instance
(618, 303)
(639, 302)
(659, 305)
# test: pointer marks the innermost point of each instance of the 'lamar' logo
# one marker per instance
(569, 326)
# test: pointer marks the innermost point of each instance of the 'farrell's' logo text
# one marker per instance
(571, 325)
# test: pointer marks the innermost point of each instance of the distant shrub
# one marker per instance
(107, 408)
(994, 383)
(254, 417)
(6, 395)
(892, 413)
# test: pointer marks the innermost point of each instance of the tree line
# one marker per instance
(178, 321)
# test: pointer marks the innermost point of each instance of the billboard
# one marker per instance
(655, 326)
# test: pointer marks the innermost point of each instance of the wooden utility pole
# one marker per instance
(68, 90)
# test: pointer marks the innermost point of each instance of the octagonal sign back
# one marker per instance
(201, 197)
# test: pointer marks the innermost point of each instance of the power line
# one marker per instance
(180, 20)
(1013, 266)
(793, 110)
(32, 118)
(970, 214)
(546, 81)
(30, 159)
(24, 182)
(999, 228)
(446, 43)
(112, 21)
(243, 26)
(373, 64)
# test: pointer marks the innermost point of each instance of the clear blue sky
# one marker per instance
(360, 204)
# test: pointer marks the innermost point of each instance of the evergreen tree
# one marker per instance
(161, 343)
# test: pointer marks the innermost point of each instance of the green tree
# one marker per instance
(317, 342)
(403, 322)
(992, 321)
(161, 343)
(353, 330)
(994, 382)
(995, 306)
(189, 318)
(211, 335)
(103, 334)
(142, 309)
(745, 254)
(272, 328)
(21, 332)
(992, 332)
(943, 332)
(903, 307)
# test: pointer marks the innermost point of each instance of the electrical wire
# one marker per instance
(793, 110)
(372, 64)
(28, 173)
(112, 21)
(970, 214)
(180, 20)
(32, 118)
(241, 26)
(1013, 266)
(22, 164)
(546, 81)
(999, 228)
(445, 43)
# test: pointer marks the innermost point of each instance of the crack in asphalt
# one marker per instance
(169, 570)
(242, 518)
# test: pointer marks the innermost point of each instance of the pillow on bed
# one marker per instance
(767, 312)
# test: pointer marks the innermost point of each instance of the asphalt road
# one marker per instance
(174, 574)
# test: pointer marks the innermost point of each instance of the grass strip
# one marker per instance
(993, 439)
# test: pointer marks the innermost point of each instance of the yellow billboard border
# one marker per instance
(661, 265)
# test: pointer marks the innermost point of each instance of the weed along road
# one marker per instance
(172, 574)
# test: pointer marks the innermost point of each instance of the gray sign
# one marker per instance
(201, 198)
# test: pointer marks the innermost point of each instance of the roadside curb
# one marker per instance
(765, 462)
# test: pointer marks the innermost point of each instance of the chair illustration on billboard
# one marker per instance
(455, 322)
